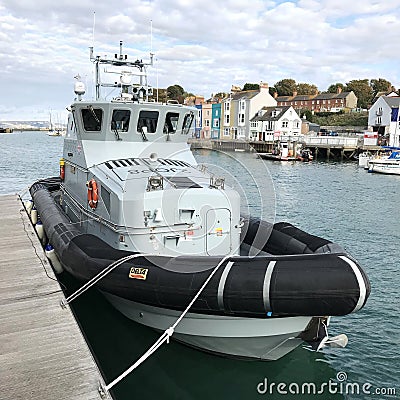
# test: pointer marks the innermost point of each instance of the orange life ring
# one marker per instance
(92, 194)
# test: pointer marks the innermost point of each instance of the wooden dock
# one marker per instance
(43, 354)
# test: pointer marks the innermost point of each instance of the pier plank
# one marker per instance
(43, 354)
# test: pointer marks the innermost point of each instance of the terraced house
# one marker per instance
(239, 108)
(323, 102)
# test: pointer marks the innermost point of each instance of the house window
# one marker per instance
(226, 119)
(226, 132)
(285, 124)
(216, 122)
(241, 118)
(207, 122)
(226, 106)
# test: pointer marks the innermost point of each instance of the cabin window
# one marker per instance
(171, 122)
(148, 120)
(120, 120)
(92, 118)
(187, 123)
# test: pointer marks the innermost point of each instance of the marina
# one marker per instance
(43, 353)
(304, 186)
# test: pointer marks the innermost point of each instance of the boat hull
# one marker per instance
(388, 169)
(251, 338)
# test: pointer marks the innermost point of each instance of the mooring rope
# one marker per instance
(165, 336)
(100, 276)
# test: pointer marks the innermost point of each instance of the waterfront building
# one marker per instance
(240, 106)
(323, 102)
(216, 121)
(383, 118)
(198, 121)
(273, 123)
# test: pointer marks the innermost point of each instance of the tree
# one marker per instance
(362, 90)
(286, 87)
(175, 92)
(307, 113)
(251, 86)
(272, 90)
(380, 85)
(334, 87)
(306, 88)
(221, 95)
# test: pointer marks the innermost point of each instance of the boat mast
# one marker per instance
(120, 60)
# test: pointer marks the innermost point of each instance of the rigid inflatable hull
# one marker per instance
(311, 284)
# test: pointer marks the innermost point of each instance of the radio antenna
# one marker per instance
(94, 25)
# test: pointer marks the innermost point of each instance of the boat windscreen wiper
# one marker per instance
(115, 129)
(143, 132)
(90, 107)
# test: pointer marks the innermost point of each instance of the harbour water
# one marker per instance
(338, 201)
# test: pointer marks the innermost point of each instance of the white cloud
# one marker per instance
(203, 46)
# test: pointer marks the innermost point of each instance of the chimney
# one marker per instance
(263, 85)
(339, 90)
(275, 95)
(236, 89)
(295, 93)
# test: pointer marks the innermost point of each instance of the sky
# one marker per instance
(205, 46)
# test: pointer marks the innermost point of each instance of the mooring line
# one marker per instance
(103, 389)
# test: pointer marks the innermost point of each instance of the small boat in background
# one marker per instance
(390, 165)
(281, 152)
(305, 155)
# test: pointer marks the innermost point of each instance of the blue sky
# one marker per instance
(205, 46)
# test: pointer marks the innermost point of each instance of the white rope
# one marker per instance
(167, 333)
(100, 276)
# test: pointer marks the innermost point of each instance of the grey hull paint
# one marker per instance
(252, 338)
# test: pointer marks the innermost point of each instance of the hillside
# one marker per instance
(348, 119)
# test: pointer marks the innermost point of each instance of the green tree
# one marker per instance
(362, 90)
(306, 88)
(175, 92)
(286, 87)
(334, 87)
(221, 95)
(307, 113)
(251, 86)
(272, 90)
(380, 85)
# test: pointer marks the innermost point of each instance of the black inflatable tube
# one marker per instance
(309, 283)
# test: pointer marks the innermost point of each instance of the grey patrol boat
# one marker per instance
(131, 196)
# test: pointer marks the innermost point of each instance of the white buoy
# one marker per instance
(40, 232)
(52, 256)
(28, 204)
(34, 215)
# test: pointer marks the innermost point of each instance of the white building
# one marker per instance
(273, 123)
(383, 118)
(239, 107)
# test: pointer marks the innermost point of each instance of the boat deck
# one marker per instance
(43, 354)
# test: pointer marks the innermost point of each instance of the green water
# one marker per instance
(338, 201)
